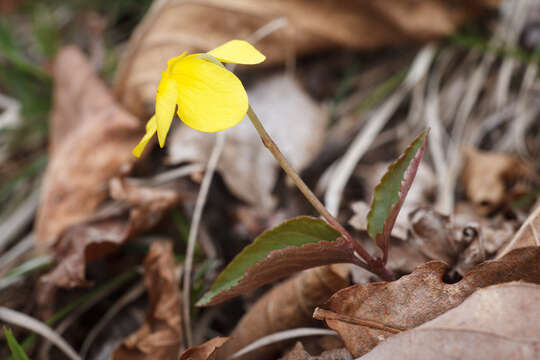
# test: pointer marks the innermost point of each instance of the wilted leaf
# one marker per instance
(527, 235)
(288, 305)
(91, 142)
(16, 349)
(299, 353)
(137, 209)
(499, 322)
(389, 195)
(247, 167)
(206, 351)
(160, 337)
(174, 26)
(295, 245)
(416, 298)
(487, 177)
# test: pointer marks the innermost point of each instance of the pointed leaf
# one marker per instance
(295, 245)
(391, 192)
(17, 351)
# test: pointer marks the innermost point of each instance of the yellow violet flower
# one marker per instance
(210, 98)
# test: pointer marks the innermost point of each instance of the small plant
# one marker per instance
(210, 98)
(17, 352)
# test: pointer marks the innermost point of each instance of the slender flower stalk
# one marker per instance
(374, 265)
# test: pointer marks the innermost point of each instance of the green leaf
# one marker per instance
(295, 245)
(17, 351)
(390, 193)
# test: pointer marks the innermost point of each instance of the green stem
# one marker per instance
(374, 265)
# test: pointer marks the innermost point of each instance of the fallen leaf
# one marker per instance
(160, 337)
(91, 142)
(299, 353)
(391, 192)
(527, 235)
(135, 210)
(247, 167)
(297, 244)
(498, 322)
(487, 177)
(173, 26)
(358, 313)
(288, 305)
(206, 351)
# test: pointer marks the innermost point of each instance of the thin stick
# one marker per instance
(34, 325)
(194, 229)
(281, 336)
(374, 265)
(322, 314)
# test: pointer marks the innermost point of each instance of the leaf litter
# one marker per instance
(460, 215)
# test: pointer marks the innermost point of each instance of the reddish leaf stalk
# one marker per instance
(369, 263)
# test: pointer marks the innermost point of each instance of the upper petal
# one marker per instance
(210, 97)
(151, 129)
(238, 52)
(167, 94)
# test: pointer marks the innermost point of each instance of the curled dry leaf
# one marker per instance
(206, 351)
(135, 210)
(288, 305)
(91, 142)
(527, 235)
(160, 337)
(247, 167)
(499, 322)
(299, 353)
(487, 177)
(174, 26)
(365, 315)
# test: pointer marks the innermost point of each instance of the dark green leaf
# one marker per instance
(295, 245)
(391, 192)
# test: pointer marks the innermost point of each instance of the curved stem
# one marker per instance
(374, 265)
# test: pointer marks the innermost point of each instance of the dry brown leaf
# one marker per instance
(487, 177)
(299, 353)
(499, 322)
(174, 26)
(295, 122)
(287, 306)
(527, 235)
(206, 351)
(160, 337)
(91, 142)
(136, 209)
(360, 312)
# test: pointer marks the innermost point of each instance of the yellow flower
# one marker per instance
(210, 98)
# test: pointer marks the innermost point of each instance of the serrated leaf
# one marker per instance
(17, 351)
(295, 245)
(390, 193)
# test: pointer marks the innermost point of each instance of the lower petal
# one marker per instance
(165, 105)
(151, 129)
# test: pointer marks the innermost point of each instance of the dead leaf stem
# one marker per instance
(322, 314)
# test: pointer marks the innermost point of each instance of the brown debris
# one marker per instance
(299, 353)
(174, 26)
(491, 179)
(527, 235)
(135, 210)
(419, 297)
(91, 142)
(287, 306)
(206, 351)
(160, 337)
(499, 322)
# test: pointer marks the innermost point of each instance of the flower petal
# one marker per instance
(238, 52)
(167, 94)
(151, 128)
(210, 97)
